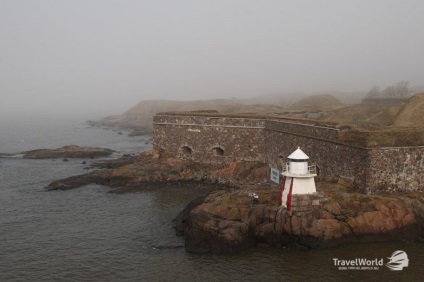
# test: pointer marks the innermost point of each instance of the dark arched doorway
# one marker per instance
(217, 151)
(186, 150)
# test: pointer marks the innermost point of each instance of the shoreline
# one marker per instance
(228, 221)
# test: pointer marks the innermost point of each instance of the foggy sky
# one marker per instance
(103, 56)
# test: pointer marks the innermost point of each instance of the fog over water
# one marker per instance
(100, 57)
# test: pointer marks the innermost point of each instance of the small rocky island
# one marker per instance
(68, 151)
(229, 222)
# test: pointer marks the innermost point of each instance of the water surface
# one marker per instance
(87, 234)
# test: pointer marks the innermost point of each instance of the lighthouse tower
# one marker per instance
(298, 170)
(298, 177)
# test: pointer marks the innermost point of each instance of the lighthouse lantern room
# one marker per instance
(298, 175)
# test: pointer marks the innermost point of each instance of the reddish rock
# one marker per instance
(226, 222)
(155, 167)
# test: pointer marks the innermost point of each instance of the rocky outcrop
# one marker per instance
(69, 151)
(153, 168)
(229, 222)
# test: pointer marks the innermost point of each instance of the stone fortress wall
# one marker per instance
(215, 138)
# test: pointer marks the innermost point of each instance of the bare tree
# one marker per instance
(390, 91)
(403, 88)
(374, 92)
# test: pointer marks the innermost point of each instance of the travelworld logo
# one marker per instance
(397, 261)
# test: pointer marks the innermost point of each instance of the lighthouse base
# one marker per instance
(303, 185)
(295, 186)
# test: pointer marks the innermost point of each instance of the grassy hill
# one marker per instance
(324, 108)
(141, 115)
(365, 115)
(411, 114)
(316, 102)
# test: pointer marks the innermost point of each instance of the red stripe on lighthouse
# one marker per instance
(289, 196)
(286, 192)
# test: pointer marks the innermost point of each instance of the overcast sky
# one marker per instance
(103, 56)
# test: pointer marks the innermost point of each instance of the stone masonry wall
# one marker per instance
(210, 139)
(303, 129)
(396, 169)
(208, 121)
(225, 139)
(333, 160)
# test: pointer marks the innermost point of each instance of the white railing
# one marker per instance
(311, 169)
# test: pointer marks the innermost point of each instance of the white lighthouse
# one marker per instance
(297, 168)
(298, 177)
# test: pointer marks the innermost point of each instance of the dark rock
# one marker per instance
(179, 223)
(69, 151)
(65, 160)
(140, 132)
(116, 163)
(75, 181)
(155, 167)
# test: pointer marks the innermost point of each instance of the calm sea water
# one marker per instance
(87, 234)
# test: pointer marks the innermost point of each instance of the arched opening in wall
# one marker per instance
(185, 150)
(217, 151)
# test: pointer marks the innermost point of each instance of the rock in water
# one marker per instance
(69, 151)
